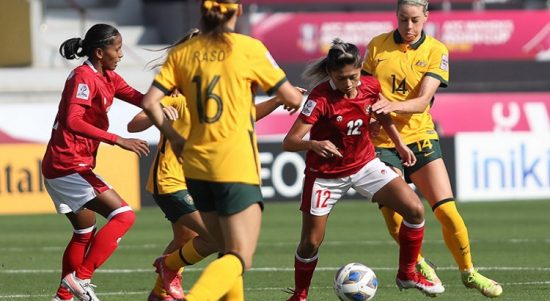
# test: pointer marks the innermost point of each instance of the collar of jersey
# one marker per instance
(333, 86)
(87, 62)
(399, 40)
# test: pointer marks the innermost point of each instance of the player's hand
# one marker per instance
(374, 128)
(383, 106)
(138, 146)
(301, 90)
(170, 113)
(325, 149)
(406, 154)
(290, 109)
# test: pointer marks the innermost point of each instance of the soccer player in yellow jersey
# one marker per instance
(218, 73)
(166, 182)
(410, 66)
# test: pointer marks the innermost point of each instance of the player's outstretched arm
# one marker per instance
(407, 155)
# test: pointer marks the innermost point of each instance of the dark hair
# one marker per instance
(340, 55)
(98, 36)
(193, 32)
(214, 16)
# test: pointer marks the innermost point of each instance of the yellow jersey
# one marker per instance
(219, 82)
(400, 68)
(166, 173)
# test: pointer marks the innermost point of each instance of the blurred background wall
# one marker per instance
(15, 19)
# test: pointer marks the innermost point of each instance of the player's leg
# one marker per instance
(83, 232)
(393, 219)
(433, 182)
(318, 197)
(235, 224)
(70, 195)
(120, 217)
(306, 257)
(191, 252)
(378, 182)
(179, 209)
(181, 235)
(195, 249)
(398, 196)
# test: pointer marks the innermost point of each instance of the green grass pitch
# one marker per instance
(510, 243)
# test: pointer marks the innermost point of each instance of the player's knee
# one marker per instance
(125, 216)
(415, 212)
(245, 260)
(309, 248)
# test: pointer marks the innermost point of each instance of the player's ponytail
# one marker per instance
(340, 55)
(98, 36)
(214, 16)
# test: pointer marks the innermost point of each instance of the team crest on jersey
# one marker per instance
(339, 118)
(83, 92)
(308, 107)
(444, 62)
(421, 64)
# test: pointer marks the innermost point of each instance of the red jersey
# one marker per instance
(345, 123)
(82, 122)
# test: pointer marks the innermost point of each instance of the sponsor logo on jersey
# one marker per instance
(308, 107)
(83, 92)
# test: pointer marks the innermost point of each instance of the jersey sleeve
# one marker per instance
(368, 65)
(81, 89)
(77, 124)
(165, 80)
(125, 92)
(439, 64)
(313, 108)
(266, 71)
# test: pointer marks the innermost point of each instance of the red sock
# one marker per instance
(106, 241)
(74, 255)
(410, 241)
(303, 272)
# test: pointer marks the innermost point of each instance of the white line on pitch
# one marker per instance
(21, 296)
(264, 269)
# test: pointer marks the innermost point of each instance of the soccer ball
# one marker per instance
(355, 282)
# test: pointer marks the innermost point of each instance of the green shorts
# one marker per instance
(224, 198)
(175, 204)
(425, 152)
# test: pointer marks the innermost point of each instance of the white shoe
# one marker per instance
(81, 288)
(419, 281)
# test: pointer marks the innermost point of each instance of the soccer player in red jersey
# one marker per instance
(340, 156)
(80, 125)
